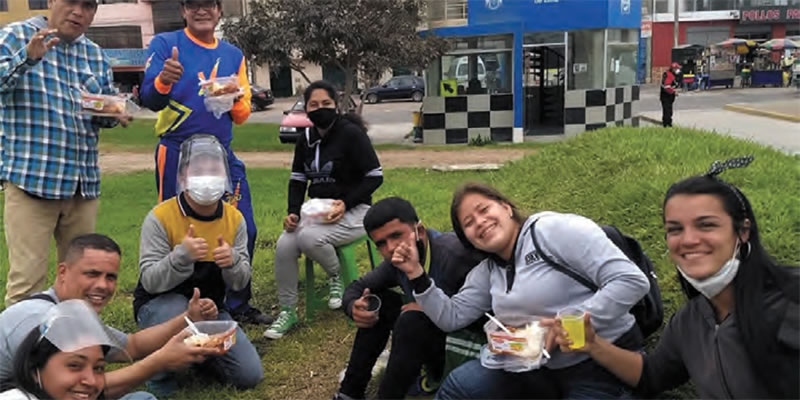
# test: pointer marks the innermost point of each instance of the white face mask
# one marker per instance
(714, 284)
(206, 190)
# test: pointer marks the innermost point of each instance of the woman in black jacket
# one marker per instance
(737, 336)
(333, 160)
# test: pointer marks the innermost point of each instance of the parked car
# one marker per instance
(260, 98)
(296, 121)
(400, 87)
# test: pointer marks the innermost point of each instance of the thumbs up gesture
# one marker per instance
(223, 254)
(196, 247)
(201, 309)
(173, 70)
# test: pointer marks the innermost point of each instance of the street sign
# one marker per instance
(647, 29)
(448, 87)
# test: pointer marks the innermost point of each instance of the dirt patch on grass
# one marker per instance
(116, 162)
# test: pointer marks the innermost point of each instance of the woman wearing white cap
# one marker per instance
(63, 358)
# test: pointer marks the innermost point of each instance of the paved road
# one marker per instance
(716, 98)
(394, 112)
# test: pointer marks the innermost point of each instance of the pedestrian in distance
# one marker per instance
(670, 82)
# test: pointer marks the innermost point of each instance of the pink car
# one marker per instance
(295, 121)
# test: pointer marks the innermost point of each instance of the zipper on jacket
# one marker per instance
(719, 363)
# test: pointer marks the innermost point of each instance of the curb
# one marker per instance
(651, 120)
(761, 113)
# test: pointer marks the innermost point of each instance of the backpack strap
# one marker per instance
(40, 296)
(558, 267)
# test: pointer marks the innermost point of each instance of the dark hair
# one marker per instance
(95, 241)
(331, 90)
(388, 209)
(32, 355)
(757, 272)
(483, 190)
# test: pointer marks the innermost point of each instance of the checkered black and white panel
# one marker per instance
(591, 109)
(459, 119)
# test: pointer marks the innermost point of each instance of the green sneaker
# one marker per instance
(335, 291)
(285, 321)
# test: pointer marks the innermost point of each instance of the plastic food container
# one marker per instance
(518, 352)
(226, 85)
(104, 105)
(214, 334)
(219, 94)
(315, 211)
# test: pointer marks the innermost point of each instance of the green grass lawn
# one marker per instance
(139, 136)
(616, 176)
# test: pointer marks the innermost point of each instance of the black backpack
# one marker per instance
(649, 311)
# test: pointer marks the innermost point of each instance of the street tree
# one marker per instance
(361, 37)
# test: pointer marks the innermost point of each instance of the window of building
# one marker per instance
(116, 37)
(623, 45)
(476, 65)
(586, 59)
(3, 5)
(447, 12)
(37, 4)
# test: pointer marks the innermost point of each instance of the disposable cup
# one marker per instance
(373, 303)
(572, 321)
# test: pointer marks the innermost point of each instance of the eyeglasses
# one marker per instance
(207, 5)
(86, 5)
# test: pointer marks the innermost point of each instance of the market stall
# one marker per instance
(722, 61)
(768, 69)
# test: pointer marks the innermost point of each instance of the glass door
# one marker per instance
(543, 88)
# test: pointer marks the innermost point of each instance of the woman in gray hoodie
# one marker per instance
(515, 280)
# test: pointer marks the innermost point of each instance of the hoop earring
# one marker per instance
(749, 249)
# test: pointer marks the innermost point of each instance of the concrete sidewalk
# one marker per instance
(779, 134)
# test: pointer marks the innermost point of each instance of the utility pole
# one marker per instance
(676, 30)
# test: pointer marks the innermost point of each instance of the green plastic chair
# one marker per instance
(348, 272)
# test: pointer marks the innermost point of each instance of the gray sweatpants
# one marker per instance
(318, 241)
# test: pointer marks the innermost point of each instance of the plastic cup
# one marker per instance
(373, 303)
(572, 321)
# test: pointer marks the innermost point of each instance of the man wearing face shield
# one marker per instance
(196, 240)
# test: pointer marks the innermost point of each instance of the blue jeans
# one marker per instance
(586, 380)
(240, 366)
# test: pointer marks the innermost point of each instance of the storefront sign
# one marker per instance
(494, 4)
(625, 7)
(776, 14)
(448, 87)
(647, 29)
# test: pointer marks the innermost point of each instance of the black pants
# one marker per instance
(415, 341)
(666, 109)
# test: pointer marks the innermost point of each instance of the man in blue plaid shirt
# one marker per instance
(48, 148)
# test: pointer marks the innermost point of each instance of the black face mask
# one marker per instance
(323, 118)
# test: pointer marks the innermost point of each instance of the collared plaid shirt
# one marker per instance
(48, 148)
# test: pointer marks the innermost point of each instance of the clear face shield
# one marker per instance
(203, 170)
(72, 325)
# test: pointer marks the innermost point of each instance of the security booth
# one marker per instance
(518, 70)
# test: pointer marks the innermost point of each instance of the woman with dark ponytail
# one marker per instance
(737, 336)
(335, 160)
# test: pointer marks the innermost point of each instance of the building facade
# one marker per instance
(525, 69)
(706, 22)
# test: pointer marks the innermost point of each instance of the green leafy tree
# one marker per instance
(360, 37)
